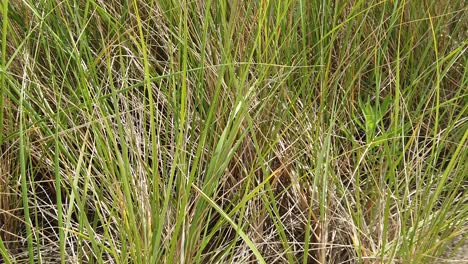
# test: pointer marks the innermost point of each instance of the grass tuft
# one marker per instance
(233, 131)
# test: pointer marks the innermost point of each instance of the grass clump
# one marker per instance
(232, 131)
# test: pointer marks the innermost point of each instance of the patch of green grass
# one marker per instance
(232, 131)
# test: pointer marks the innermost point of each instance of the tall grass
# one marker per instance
(232, 131)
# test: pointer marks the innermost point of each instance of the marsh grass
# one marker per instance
(232, 131)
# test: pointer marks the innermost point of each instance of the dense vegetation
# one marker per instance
(206, 131)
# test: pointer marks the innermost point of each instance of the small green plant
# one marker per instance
(374, 115)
